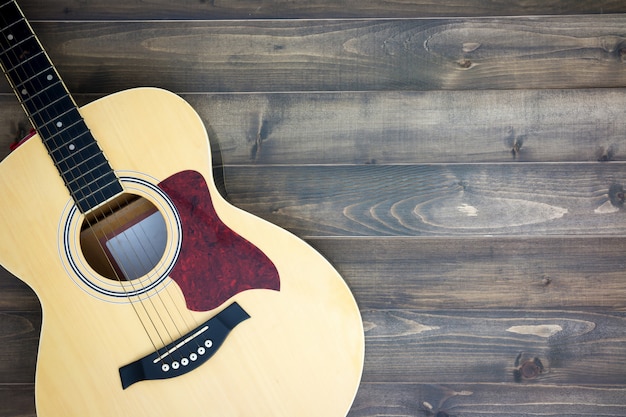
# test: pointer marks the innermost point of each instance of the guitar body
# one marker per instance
(299, 354)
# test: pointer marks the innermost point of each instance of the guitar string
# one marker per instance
(140, 234)
(19, 81)
(139, 258)
(107, 236)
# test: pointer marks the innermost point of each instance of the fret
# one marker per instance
(9, 12)
(10, 25)
(88, 172)
(73, 146)
(73, 132)
(92, 187)
(62, 120)
(15, 63)
(24, 70)
(44, 116)
(19, 44)
(54, 114)
(16, 35)
(89, 187)
(72, 168)
(6, 3)
(108, 188)
(66, 143)
(40, 80)
(29, 95)
(88, 151)
(39, 100)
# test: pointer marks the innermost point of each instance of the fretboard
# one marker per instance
(81, 163)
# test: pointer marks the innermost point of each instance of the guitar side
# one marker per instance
(300, 353)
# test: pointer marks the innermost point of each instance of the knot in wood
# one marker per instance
(616, 195)
(465, 63)
(530, 370)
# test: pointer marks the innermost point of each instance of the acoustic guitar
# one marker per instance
(159, 298)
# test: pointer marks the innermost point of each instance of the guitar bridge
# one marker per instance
(186, 353)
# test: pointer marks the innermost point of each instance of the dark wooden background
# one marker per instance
(462, 163)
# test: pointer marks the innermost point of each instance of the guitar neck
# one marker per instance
(81, 163)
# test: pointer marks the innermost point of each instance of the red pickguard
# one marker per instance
(215, 262)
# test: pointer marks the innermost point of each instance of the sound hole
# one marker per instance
(125, 239)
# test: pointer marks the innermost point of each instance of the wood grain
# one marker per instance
(477, 400)
(414, 399)
(482, 347)
(251, 9)
(444, 347)
(474, 348)
(15, 296)
(462, 168)
(20, 336)
(482, 273)
(441, 200)
(17, 400)
(417, 127)
(461, 273)
(340, 55)
(86, 328)
(400, 127)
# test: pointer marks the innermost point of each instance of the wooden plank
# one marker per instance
(457, 273)
(435, 200)
(251, 9)
(443, 347)
(477, 346)
(340, 55)
(395, 149)
(20, 337)
(15, 124)
(417, 127)
(15, 296)
(400, 127)
(482, 273)
(410, 400)
(17, 400)
(479, 400)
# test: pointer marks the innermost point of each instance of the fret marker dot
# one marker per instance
(49, 77)
(72, 147)
(24, 92)
(10, 37)
(59, 124)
